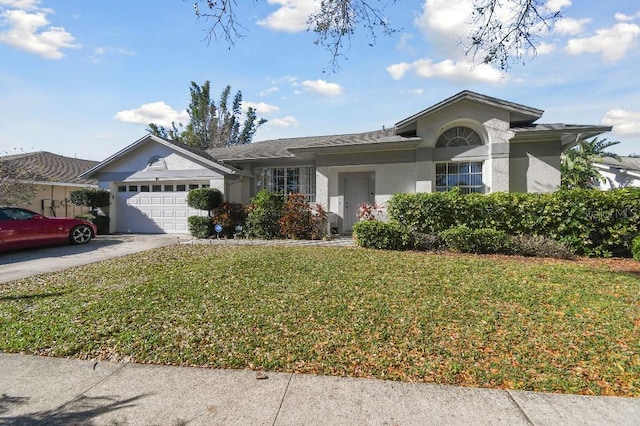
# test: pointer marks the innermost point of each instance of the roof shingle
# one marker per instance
(49, 167)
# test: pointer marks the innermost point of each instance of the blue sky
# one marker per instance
(83, 78)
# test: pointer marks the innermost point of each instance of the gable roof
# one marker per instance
(520, 114)
(51, 168)
(186, 150)
(286, 148)
(569, 134)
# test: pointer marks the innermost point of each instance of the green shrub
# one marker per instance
(264, 214)
(483, 240)
(635, 248)
(101, 222)
(90, 197)
(200, 226)
(295, 221)
(540, 246)
(427, 242)
(300, 220)
(206, 199)
(596, 223)
(230, 216)
(382, 235)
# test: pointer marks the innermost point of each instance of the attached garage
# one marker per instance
(154, 208)
(149, 182)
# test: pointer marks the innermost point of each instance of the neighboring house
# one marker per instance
(471, 141)
(619, 174)
(56, 177)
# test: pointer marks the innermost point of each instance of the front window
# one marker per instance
(467, 176)
(288, 180)
(458, 136)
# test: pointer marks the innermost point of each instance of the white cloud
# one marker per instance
(458, 72)
(415, 91)
(155, 112)
(31, 31)
(623, 122)
(287, 121)
(291, 16)
(101, 52)
(21, 4)
(404, 43)
(269, 91)
(570, 26)
(557, 5)
(626, 18)
(260, 107)
(445, 22)
(613, 43)
(397, 71)
(322, 87)
(545, 48)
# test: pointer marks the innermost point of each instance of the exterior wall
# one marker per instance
(535, 167)
(132, 167)
(54, 200)
(490, 123)
(388, 179)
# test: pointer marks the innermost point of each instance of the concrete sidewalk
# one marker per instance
(51, 391)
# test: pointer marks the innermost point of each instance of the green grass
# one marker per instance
(495, 322)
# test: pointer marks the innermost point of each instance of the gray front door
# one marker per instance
(356, 192)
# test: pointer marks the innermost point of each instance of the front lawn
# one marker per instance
(489, 321)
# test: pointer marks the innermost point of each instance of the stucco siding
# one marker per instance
(387, 179)
(491, 124)
(133, 167)
(535, 167)
(54, 200)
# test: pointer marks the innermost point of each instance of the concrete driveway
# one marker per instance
(24, 263)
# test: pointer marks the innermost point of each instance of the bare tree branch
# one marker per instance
(505, 31)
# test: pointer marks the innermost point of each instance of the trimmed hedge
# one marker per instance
(90, 197)
(482, 241)
(382, 235)
(101, 222)
(201, 226)
(635, 248)
(206, 199)
(589, 222)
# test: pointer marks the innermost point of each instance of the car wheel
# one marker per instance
(81, 234)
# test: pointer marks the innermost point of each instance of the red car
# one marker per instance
(21, 228)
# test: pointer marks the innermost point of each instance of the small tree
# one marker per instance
(212, 125)
(91, 197)
(578, 170)
(265, 211)
(206, 199)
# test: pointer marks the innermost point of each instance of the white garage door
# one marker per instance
(141, 209)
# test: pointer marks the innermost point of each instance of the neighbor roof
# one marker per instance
(625, 163)
(49, 167)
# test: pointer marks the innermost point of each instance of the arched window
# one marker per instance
(458, 136)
